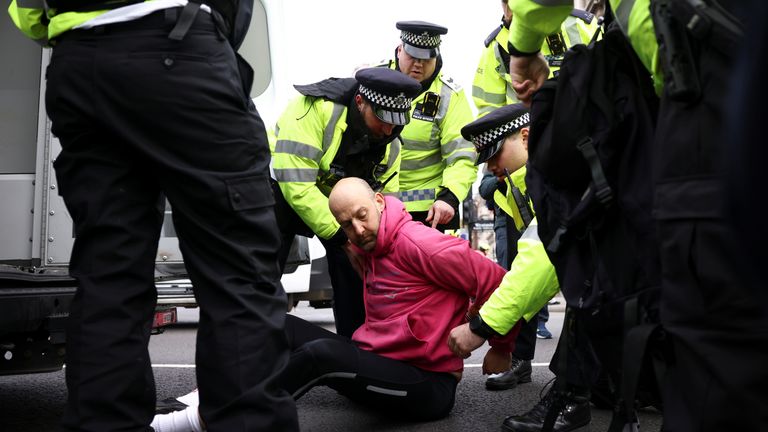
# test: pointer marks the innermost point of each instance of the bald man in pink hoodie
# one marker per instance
(419, 284)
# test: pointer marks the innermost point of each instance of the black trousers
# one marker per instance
(590, 345)
(717, 377)
(525, 342)
(137, 115)
(320, 357)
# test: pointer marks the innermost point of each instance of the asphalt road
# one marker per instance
(34, 403)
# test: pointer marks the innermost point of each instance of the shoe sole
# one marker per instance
(507, 386)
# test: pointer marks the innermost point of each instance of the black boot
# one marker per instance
(573, 414)
(519, 373)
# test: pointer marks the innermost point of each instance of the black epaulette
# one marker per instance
(492, 36)
(585, 16)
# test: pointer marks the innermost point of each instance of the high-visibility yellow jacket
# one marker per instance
(528, 285)
(435, 155)
(531, 280)
(492, 86)
(534, 19)
(309, 134)
(40, 25)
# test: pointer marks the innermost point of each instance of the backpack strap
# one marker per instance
(636, 347)
(603, 191)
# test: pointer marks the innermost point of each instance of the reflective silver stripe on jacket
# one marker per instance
(445, 96)
(394, 152)
(414, 164)
(622, 14)
(331, 126)
(469, 155)
(417, 195)
(491, 98)
(457, 144)
(531, 233)
(296, 174)
(417, 144)
(573, 33)
(298, 149)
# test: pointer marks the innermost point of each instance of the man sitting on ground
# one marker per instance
(398, 360)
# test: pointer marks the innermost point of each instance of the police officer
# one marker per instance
(437, 169)
(492, 85)
(491, 89)
(338, 128)
(715, 376)
(148, 100)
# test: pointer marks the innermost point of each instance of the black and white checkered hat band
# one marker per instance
(395, 103)
(424, 40)
(493, 136)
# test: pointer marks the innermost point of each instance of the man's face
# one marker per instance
(512, 156)
(417, 69)
(359, 217)
(377, 128)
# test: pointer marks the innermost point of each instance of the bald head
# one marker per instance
(358, 209)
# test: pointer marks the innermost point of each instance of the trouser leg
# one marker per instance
(320, 357)
(717, 376)
(590, 344)
(117, 214)
(501, 245)
(525, 343)
(543, 314)
(117, 221)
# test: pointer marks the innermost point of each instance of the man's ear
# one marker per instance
(381, 203)
(360, 102)
(524, 135)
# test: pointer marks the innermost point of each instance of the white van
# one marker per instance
(36, 233)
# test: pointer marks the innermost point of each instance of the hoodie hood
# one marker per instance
(392, 218)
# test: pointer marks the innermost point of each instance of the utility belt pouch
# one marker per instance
(680, 75)
(681, 28)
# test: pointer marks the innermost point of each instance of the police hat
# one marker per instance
(389, 92)
(421, 39)
(488, 132)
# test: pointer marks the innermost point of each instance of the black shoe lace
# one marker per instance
(539, 411)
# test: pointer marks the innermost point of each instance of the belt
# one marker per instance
(176, 20)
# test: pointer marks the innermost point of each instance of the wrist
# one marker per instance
(517, 53)
(480, 328)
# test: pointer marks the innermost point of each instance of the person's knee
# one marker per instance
(322, 351)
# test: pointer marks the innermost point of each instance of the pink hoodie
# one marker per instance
(418, 286)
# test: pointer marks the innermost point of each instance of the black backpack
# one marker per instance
(590, 181)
